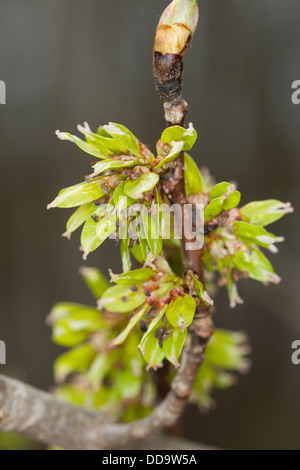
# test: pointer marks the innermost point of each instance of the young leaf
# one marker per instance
(151, 229)
(106, 165)
(121, 299)
(124, 137)
(120, 198)
(135, 319)
(214, 208)
(181, 311)
(225, 202)
(89, 238)
(76, 360)
(265, 212)
(99, 369)
(103, 141)
(67, 309)
(179, 134)
(138, 254)
(225, 351)
(85, 146)
(193, 177)
(79, 217)
(233, 294)
(125, 254)
(145, 250)
(153, 353)
(77, 195)
(173, 345)
(132, 277)
(154, 325)
(232, 201)
(254, 233)
(95, 281)
(222, 190)
(127, 385)
(74, 329)
(144, 183)
(103, 132)
(107, 225)
(201, 292)
(256, 265)
(176, 149)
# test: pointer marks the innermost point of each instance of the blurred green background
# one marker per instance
(66, 61)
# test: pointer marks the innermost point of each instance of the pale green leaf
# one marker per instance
(124, 137)
(145, 250)
(76, 360)
(224, 350)
(153, 353)
(144, 183)
(103, 141)
(265, 212)
(79, 217)
(120, 198)
(132, 277)
(152, 231)
(181, 311)
(67, 309)
(180, 134)
(121, 299)
(89, 238)
(77, 195)
(225, 202)
(138, 254)
(99, 369)
(201, 292)
(106, 165)
(193, 177)
(85, 146)
(176, 149)
(107, 225)
(128, 385)
(74, 329)
(254, 233)
(153, 326)
(173, 345)
(256, 265)
(125, 254)
(95, 281)
(232, 201)
(135, 319)
(222, 190)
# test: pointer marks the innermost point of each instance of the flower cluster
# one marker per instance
(144, 318)
(236, 236)
(126, 173)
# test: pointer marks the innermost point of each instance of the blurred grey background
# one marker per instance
(66, 61)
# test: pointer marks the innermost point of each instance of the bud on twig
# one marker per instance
(176, 27)
(173, 38)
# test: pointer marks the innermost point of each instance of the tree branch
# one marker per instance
(40, 416)
(44, 418)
